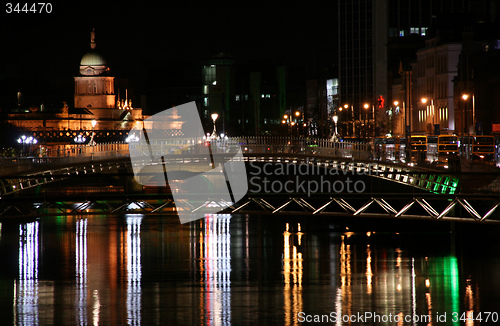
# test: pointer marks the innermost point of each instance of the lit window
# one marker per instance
(237, 98)
(402, 33)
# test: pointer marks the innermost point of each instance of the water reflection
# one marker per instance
(225, 270)
(26, 289)
(293, 271)
(213, 251)
(81, 272)
(134, 271)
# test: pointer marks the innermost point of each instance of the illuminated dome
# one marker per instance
(92, 59)
(92, 63)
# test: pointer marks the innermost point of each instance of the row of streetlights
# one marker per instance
(346, 107)
(293, 120)
(425, 100)
(465, 97)
(27, 141)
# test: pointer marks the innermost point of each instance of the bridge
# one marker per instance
(430, 193)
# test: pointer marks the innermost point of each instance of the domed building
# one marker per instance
(96, 108)
(93, 64)
(94, 88)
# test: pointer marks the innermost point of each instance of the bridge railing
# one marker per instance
(63, 156)
(249, 145)
(290, 145)
(67, 155)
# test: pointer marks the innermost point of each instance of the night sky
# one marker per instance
(41, 52)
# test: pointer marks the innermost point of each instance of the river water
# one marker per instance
(246, 270)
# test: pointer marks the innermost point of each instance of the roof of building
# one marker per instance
(92, 59)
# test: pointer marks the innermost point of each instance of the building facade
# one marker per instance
(433, 101)
(362, 57)
(96, 108)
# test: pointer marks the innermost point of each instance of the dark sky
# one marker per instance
(134, 37)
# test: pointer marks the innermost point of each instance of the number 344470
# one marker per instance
(35, 8)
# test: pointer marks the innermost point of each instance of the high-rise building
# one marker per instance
(378, 38)
(362, 57)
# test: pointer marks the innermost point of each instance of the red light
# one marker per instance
(381, 102)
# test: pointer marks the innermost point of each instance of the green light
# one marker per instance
(444, 280)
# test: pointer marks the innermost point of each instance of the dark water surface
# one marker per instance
(246, 270)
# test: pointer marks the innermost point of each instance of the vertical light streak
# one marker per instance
(293, 270)
(134, 269)
(217, 269)
(96, 308)
(469, 304)
(81, 272)
(26, 291)
(413, 288)
(369, 273)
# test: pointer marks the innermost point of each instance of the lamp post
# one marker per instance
(346, 107)
(92, 141)
(366, 106)
(214, 118)
(298, 115)
(80, 139)
(431, 107)
(465, 97)
(27, 141)
(396, 110)
(335, 119)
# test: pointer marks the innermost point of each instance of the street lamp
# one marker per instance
(465, 97)
(132, 138)
(214, 118)
(335, 119)
(424, 101)
(366, 106)
(27, 141)
(80, 139)
(92, 141)
(346, 106)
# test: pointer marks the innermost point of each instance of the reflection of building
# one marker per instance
(213, 253)
(293, 273)
(32, 293)
(94, 99)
